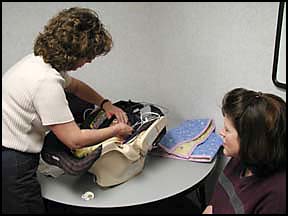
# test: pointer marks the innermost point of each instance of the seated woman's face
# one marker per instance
(231, 142)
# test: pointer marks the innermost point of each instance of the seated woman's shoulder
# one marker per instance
(278, 179)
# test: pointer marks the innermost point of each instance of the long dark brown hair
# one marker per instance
(73, 34)
(260, 121)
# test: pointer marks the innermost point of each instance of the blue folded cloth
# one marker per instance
(207, 150)
(186, 131)
(194, 140)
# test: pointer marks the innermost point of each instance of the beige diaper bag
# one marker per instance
(120, 162)
(114, 160)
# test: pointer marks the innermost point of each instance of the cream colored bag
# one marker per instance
(120, 162)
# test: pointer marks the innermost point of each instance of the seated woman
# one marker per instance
(254, 134)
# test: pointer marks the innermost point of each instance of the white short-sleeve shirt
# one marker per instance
(32, 97)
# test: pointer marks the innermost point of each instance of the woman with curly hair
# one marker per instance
(34, 102)
(254, 134)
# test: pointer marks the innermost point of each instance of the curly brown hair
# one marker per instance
(73, 34)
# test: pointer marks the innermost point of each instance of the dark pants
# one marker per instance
(21, 191)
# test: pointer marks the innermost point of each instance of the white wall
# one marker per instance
(184, 56)
(209, 48)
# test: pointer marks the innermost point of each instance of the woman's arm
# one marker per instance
(85, 92)
(74, 137)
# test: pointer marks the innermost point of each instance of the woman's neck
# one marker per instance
(247, 172)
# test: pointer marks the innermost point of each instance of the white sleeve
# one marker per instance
(50, 102)
(67, 79)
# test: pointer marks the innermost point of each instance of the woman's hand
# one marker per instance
(208, 210)
(122, 130)
(111, 110)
